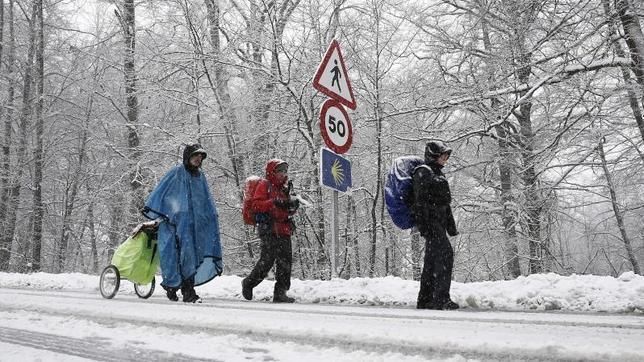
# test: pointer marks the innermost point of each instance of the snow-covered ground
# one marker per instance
(62, 317)
(576, 293)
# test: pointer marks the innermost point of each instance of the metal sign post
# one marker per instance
(335, 173)
(331, 78)
(335, 234)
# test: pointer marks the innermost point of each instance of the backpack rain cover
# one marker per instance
(248, 212)
(399, 190)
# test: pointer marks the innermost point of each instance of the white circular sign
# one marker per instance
(335, 126)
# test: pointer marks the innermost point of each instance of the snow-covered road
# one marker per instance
(68, 325)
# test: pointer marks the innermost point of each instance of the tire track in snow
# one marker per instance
(86, 348)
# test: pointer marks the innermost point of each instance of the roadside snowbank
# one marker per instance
(579, 293)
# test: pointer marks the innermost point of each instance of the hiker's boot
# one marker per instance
(247, 290)
(281, 297)
(171, 293)
(191, 297)
(450, 305)
(189, 294)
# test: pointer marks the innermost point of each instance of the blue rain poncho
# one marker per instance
(189, 243)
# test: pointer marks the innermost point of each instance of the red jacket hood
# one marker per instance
(271, 175)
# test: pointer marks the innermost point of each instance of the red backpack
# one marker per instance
(250, 185)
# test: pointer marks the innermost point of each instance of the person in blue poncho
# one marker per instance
(189, 242)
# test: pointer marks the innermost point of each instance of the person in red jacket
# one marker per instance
(273, 209)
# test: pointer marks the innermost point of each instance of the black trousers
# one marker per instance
(274, 249)
(436, 278)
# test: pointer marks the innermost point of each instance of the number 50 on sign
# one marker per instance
(335, 126)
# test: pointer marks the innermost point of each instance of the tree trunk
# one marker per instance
(92, 231)
(262, 87)
(69, 201)
(5, 172)
(39, 157)
(393, 255)
(128, 24)
(636, 107)
(355, 238)
(277, 15)
(619, 215)
(72, 190)
(373, 245)
(227, 112)
(13, 200)
(508, 214)
(378, 190)
(1, 31)
(528, 174)
(345, 271)
(531, 191)
(633, 36)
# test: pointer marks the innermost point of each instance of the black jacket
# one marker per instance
(432, 197)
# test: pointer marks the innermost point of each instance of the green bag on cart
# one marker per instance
(137, 259)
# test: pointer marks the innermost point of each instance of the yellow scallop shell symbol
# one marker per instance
(337, 172)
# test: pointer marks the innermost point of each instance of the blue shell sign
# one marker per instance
(335, 170)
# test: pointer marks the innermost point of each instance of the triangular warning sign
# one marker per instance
(332, 78)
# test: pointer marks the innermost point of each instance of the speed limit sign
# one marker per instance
(335, 126)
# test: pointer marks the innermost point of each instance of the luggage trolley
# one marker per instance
(136, 260)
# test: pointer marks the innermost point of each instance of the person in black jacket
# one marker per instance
(433, 218)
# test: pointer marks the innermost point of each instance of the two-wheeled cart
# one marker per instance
(136, 260)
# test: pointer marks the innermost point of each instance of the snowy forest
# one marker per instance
(542, 102)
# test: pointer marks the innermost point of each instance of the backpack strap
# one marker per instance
(420, 166)
(411, 190)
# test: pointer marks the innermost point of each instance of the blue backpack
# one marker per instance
(399, 191)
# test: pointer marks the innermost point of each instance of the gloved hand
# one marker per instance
(293, 204)
(281, 203)
(451, 231)
(451, 223)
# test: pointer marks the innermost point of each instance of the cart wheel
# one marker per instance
(110, 282)
(144, 291)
